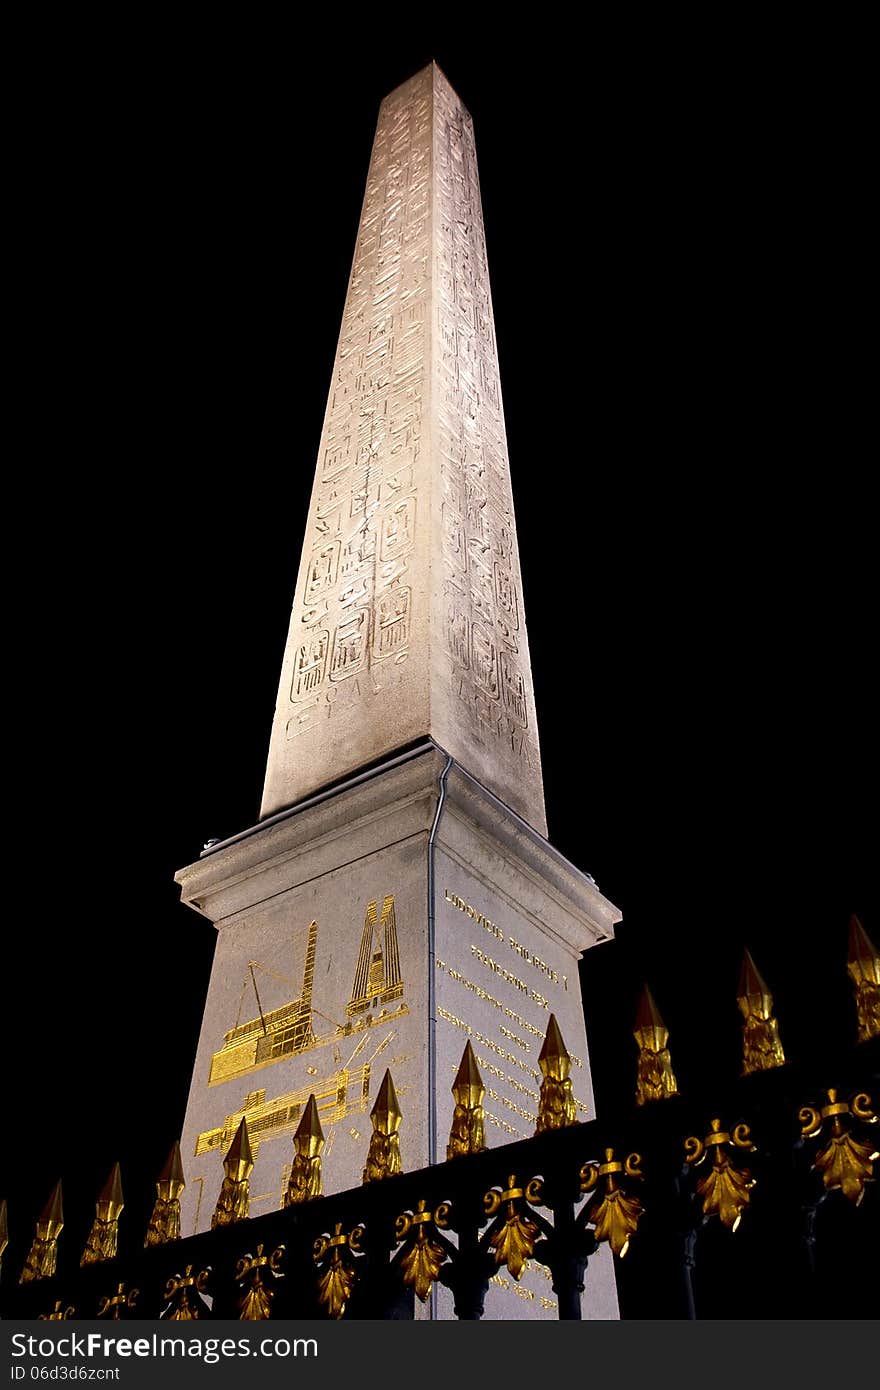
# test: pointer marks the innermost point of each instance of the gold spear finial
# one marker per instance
(762, 1048)
(863, 968)
(4, 1230)
(655, 1079)
(383, 1159)
(556, 1106)
(165, 1219)
(305, 1171)
(104, 1235)
(466, 1135)
(43, 1254)
(233, 1203)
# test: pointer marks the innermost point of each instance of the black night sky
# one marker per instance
(678, 254)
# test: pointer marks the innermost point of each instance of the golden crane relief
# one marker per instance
(115, 1305)
(165, 1218)
(616, 1217)
(281, 1032)
(724, 1189)
(422, 1254)
(252, 1273)
(59, 1313)
(863, 968)
(655, 1079)
(43, 1254)
(513, 1239)
(291, 1030)
(846, 1162)
(383, 1158)
(234, 1201)
(183, 1292)
(305, 1171)
(337, 1275)
(557, 1107)
(466, 1135)
(104, 1235)
(762, 1048)
(4, 1231)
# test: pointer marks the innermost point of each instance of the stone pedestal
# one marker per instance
(382, 925)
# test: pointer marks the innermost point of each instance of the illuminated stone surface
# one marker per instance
(348, 940)
(293, 1009)
(408, 615)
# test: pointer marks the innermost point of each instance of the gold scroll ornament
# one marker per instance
(116, 1305)
(337, 1275)
(725, 1189)
(846, 1163)
(513, 1240)
(422, 1253)
(616, 1217)
(183, 1292)
(254, 1273)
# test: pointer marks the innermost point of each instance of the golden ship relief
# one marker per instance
(344, 1092)
(290, 1030)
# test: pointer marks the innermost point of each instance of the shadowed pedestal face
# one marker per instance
(408, 616)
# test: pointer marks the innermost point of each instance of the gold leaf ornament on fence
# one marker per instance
(725, 1190)
(845, 1163)
(337, 1274)
(165, 1217)
(615, 1217)
(104, 1235)
(116, 1305)
(255, 1274)
(59, 1313)
(422, 1254)
(183, 1293)
(513, 1239)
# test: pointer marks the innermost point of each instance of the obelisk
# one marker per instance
(398, 897)
(408, 617)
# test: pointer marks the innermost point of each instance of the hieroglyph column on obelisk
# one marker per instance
(398, 897)
(408, 614)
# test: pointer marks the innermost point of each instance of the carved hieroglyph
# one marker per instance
(408, 615)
